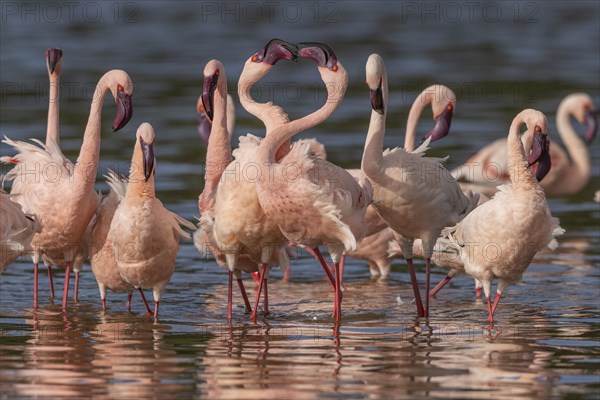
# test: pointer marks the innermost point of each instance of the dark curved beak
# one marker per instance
(591, 126)
(540, 155)
(320, 53)
(441, 128)
(204, 127)
(377, 99)
(53, 56)
(208, 94)
(148, 158)
(124, 110)
(275, 50)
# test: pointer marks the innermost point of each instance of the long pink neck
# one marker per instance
(579, 169)
(520, 174)
(413, 119)
(52, 133)
(87, 162)
(373, 152)
(218, 152)
(284, 133)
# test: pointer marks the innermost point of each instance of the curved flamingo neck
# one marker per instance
(579, 167)
(284, 133)
(373, 152)
(218, 152)
(138, 186)
(520, 174)
(422, 100)
(52, 129)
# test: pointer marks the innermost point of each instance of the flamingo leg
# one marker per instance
(35, 285)
(244, 295)
(413, 278)
(260, 287)
(342, 265)
(317, 253)
(440, 285)
(478, 292)
(128, 303)
(266, 299)
(129, 296)
(230, 297)
(51, 281)
(148, 310)
(338, 291)
(66, 287)
(496, 301)
(286, 275)
(427, 282)
(256, 277)
(76, 291)
(490, 310)
(156, 311)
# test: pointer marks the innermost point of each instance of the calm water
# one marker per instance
(499, 58)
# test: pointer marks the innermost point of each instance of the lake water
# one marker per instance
(499, 57)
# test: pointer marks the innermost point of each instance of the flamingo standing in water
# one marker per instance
(310, 209)
(102, 253)
(415, 195)
(64, 222)
(16, 231)
(499, 239)
(144, 234)
(489, 167)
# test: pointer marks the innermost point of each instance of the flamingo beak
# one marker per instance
(148, 158)
(53, 56)
(441, 128)
(208, 94)
(320, 53)
(377, 100)
(540, 154)
(275, 50)
(591, 126)
(204, 127)
(124, 109)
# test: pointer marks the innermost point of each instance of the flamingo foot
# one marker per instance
(440, 285)
(244, 295)
(35, 285)
(148, 309)
(51, 282)
(66, 287)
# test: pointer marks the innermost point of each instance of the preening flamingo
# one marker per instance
(143, 233)
(102, 253)
(16, 231)
(498, 239)
(310, 208)
(489, 167)
(63, 223)
(415, 195)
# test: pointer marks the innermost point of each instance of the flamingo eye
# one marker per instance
(449, 107)
(538, 129)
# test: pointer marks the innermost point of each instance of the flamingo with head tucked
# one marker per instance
(415, 195)
(64, 220)
(498, 239)
(489, 167)
(311, 209)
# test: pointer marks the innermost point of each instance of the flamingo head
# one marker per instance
(443, 102)
(540, 153)
(121, 88)
(145, 137)
(374, 72)
(332, 72)
(53, 59)
(581, 106)
(204, 124)
(275, 50)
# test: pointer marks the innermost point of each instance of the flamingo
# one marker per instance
(144, 234)
(414, 194)
(334, 207)
(64, 223)
(102, 253)
(489, 167)
(205, 124)
(498, 239)
(16, 232)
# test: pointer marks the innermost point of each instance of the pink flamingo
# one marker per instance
(64, 223)
(489, 167)
(336, 207)
(144, 234)
(102, 253)
(16, 231)
(516, 223)
(415, 195)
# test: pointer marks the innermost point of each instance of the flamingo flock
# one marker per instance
(400, 203)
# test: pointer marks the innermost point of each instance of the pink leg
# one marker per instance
(256, 277)
(490, 310)
(440, 285)
(51, 281)
(66, 288)
(317, 253)
(244, 295)
(413, 278)
(427, 281)
(338, 291)
(260, 287)
(35, 285)
(148, 310)
(286, 274)
(76, 286)
(496, 301)
(478, 292)
(266, 311)
(156, 311)
(104, 303)
(230, 297)
(129, 296)
(342, 264)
